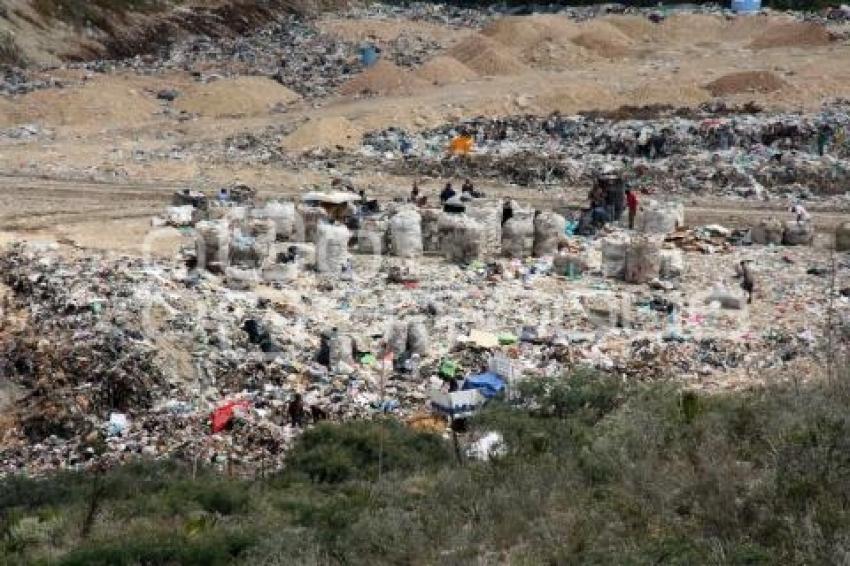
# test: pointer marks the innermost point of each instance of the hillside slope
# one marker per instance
(48, 32)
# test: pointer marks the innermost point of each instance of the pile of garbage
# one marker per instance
(743, 155)
(202, 357)
(15, 81)
(291, 51)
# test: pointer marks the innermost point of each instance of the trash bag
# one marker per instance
(614, 255)
(282, 214)
(307, 228)
(489, 215)
(331, 248)
(766, 232)
(643, 261)
(548, 227)
(212, 245)
(263, 231)
(672, 264)
(461, 238)
(659, 218)
(430, 229)
(372, 236)
(798, 233)
(406, 233)
(518, 237)
(340, 350)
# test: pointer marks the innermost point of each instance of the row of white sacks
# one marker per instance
(407, 232)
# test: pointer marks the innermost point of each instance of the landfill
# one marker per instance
(314, 270)
(113, 358)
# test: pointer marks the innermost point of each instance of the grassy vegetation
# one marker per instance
(595, 472)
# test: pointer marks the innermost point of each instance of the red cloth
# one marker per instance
(631, 201)
(222, 415)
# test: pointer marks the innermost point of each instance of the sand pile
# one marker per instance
(657, 92)
(791, 34)
(487, 57)
(243, 96)
(604, 39)
(637, 28)
(384, 31)
(746, 81)
(542, 41)
(383, 78)
(557, 55)
(323, 133)
(559, 27)
(575, 98)
(522, 32)
(105, 102)
(443, 70)
(692, 28)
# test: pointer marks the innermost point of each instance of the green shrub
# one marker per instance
(163, 548)
(334, 453)
(586, 394)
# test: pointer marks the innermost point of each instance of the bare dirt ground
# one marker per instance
(108, 154)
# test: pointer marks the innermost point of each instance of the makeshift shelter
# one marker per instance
(336, 204)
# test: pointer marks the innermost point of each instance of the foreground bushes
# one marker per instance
(595, 472)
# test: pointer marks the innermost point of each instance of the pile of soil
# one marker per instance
(487, 57)
(746, 81)
(604, 39)
(637, 28)
(791, 34)
(557, 55)
(578, 96)
(243, 96)
(659, 93)
(522, 32)
(695, 28)
(383, 78)
(385, 31)
(105, 102)
(327, 132)
(443, 70)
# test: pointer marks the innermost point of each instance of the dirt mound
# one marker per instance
(576, 97)
(442, 70)
(746, 81)
(558, 26)
(791, 34)
(658, 93)
(519, 32)
(385, 31)
(637, 28)
(487, 57)
(604, 39)
(557, 55)
(105, 102)
(692, 28)
(323, 133)
(243, 96)
(384, 78)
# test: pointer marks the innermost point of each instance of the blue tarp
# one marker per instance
(488, 384)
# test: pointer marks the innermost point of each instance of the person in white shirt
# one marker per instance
(800, 213)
